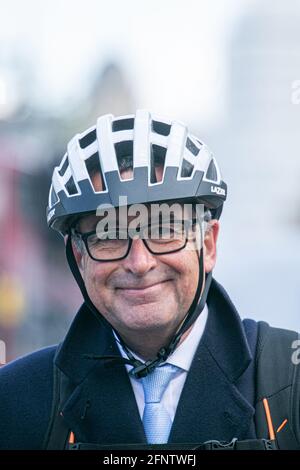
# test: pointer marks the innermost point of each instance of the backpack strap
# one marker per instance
(56, 437)
(278, 381)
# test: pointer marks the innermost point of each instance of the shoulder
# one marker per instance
(270, 336)
(25, 400)
(281, 347)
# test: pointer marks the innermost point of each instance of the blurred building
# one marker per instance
(259, 152)
(38, 296)
(110, 93)
(265, 62)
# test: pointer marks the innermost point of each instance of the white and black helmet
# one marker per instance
(139, 142)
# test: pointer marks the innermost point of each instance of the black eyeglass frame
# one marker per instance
(84, 237)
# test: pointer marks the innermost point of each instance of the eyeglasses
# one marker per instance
(159, 238)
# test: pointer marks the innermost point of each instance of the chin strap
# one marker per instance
(141, 369)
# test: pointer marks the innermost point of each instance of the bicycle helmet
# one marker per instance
(190, 172)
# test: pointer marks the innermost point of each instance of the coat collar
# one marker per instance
(224, 335)
(210, 407)
(87, 335)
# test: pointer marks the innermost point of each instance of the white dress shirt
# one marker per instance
(182, 357)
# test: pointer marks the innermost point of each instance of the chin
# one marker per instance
(147, 319)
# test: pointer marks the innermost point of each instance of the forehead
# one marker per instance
(150, 212)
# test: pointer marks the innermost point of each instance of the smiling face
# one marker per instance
(142, 291)
(145, 297)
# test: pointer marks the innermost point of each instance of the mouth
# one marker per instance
(136, 291)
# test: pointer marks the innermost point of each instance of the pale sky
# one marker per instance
(172, 51)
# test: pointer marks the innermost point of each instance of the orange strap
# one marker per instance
(269, 419)
(282, 425)
(71, 438)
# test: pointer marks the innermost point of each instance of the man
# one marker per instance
(157, 354)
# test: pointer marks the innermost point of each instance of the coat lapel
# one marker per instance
(211, 405)
(101, 407)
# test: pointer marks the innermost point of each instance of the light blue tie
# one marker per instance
(156, 420)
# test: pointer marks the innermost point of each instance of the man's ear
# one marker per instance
(210, 245)
(77, 253)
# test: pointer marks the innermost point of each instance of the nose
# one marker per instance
(139, 259)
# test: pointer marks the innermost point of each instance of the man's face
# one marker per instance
(144, 293)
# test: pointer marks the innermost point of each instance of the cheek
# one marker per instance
(191, 274)
(94, 276)
(187, 268)
(188, 284)
(95, 279)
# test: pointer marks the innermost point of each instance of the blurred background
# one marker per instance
(230, 70)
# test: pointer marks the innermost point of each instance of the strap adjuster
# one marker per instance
(270, 444)
(217, 445)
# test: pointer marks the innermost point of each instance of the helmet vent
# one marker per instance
(94, 170)
(124, 152)
(70, 186)
(211, 173)
(161, 128)
(186, 169)
(192, 147)
(64, 166)
(123, 124)
(88, 139)
(158, 156)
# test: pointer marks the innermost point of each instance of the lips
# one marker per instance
(143, 287)
(143, 294)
